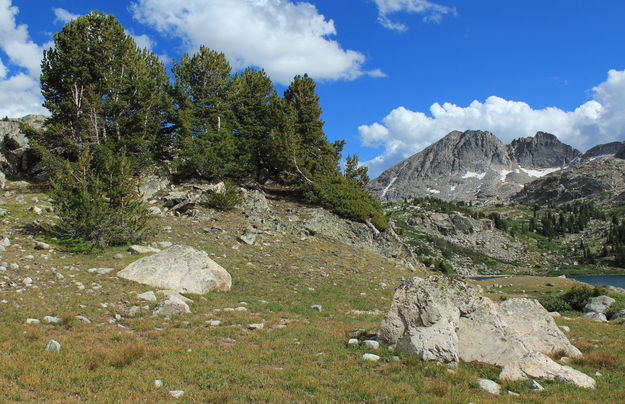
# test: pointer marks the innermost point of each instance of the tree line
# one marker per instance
(114, 105)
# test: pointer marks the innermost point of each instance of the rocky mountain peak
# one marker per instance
(541, 151)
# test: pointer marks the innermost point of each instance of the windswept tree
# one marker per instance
(101, 89)
(354, 171)
(303, 147)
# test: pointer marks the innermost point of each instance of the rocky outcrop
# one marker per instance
(448, 320)
(17, 159)
(179, 268)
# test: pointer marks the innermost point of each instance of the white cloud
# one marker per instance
(283, 37)
(20, 95)
(404, 132)
(19, 92)
(433, 12)
(63, 16)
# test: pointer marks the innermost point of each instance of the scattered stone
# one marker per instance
(370, 344)
(52, 320)
(5, 242)
(155, 210)
(596, 317)
(36, 209)
(118, 256)
(53, 346)
(539, 366)
(256, 326)
(535, 386)
(317, 307)
(148, 296)
(158, 383)
(353, 341)
(31, 321)
(490, 386)
(598, 374)
(370, 357)
(14, 266)
(59, 276)
(512, 393)
(565, 328)
(180, 268)
(140, 249)
(249, 236)
(40, 245)
(83, 319)
(599, 304)
(165, 244)
(214, 323)
(27, 281)
(171, 306)
(176, 393)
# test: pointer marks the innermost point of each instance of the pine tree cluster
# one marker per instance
(106, 95)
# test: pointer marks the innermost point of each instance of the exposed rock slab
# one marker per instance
(180, 268)
(539, 366)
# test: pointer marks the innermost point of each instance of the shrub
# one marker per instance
(554, 303)
(96, 200)
(227, 200)
(348, 199)
(10, 143)
(578, 296)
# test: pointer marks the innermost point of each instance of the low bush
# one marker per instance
(96, 200)
(554, 303)
(574, 299)
(347, 198)
(227, 200)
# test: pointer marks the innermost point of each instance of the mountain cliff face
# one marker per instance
(465, 166)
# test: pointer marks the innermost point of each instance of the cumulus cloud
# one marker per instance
(404, 132)
(432, 12)
(285, 38)
(63, 16)
(19, 92)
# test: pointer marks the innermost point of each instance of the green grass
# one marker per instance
(305, 361)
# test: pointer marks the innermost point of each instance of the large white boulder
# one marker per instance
(445, 319)
(180, 268)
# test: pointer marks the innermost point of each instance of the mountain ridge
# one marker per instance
(476, 165)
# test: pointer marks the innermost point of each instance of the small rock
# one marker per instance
(171, 306)
(370, 357)
(83, 319)
(27, 281)
(598, 374)
(14, 266)
(353, 341)
(370, 344)
(535, 386)
(53, 346)
(59, 276)
(490, 386)
(32, 321)
(52, 320)
(158, 383)
(148, 296)
(165, 244)
(565, 328)
(596, 317)
(40, 245)
(36, 209)
(317, 307)
(140, 249)
(214, 323)
(512, 393)
(176, 393)
(256, 326)
(118, 256)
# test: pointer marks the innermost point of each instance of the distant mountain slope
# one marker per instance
(598, 178)
(470, 165)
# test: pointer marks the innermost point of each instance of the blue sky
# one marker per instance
(393, 75)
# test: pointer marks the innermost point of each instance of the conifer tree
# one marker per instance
(101, 89)
(204, 119)
(355, 171)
